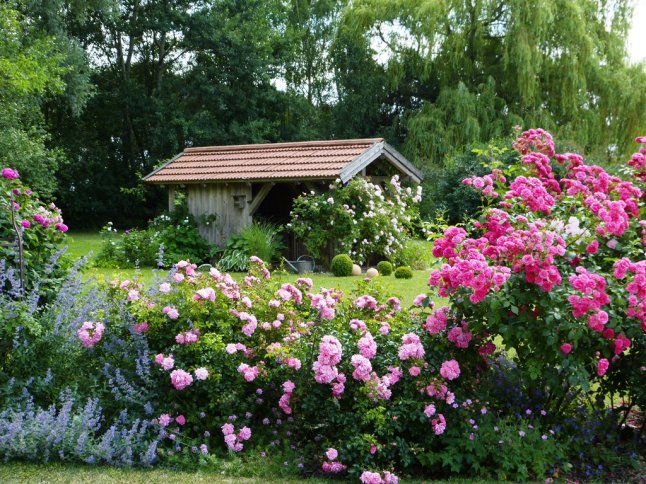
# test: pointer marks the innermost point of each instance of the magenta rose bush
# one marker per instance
(555, 267)
(42, 231)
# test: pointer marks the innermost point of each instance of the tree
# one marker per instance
(31, 71)
(168, 75)
(139, 80)
(468, 70)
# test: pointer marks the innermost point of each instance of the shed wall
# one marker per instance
(218, 199)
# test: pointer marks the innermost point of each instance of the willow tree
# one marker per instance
(472, 69)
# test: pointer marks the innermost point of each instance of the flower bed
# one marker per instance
(367, 385)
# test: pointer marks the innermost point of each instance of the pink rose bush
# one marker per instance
(280, 361)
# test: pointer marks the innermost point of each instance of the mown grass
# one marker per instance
(223, 471)
(220, 471)
(81, 244)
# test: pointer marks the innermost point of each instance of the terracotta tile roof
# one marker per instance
(276, 161)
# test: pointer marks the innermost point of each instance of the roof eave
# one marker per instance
(240, 180)
(374, 152)
(145, 179)
(361, 161)
(398, 159)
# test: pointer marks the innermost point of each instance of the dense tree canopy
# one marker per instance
(474, 68)
(112, 88)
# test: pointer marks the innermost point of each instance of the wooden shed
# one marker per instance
(236, 183)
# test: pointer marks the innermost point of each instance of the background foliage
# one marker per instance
(116, 87)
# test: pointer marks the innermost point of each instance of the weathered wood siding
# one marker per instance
(218, 199)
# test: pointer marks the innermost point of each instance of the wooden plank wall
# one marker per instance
(217, 198)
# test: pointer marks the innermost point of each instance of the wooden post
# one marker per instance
(171, 198)
(262, 194)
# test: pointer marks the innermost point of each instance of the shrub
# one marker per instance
(341, 265)
(403, 272)
(110, 255)
(176, 356)
(363, 220)
(443, 189)
(561, 248)
(42, 231)
(173, 236)
(502, 447)
(265, 365)
(140, 248)
(385, 268)
(180, 237)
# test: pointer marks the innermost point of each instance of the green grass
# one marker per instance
(404, 289)
(82, 243)
(224, 471)
(221, 471)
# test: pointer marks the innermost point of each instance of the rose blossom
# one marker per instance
(180, 379)
(332, 453)
(201, 373)
(450, 370)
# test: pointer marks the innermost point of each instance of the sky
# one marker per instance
(637, 35)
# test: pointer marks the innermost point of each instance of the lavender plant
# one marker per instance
(68, 430)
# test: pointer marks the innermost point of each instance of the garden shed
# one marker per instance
(227, 186)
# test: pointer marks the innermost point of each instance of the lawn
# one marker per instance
(81, 244)
(224, 471)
